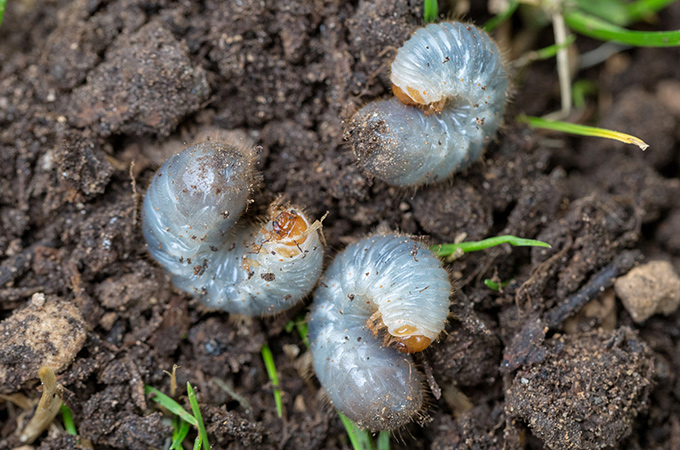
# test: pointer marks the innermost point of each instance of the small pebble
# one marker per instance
(653, 288)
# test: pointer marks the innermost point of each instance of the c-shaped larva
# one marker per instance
(382, 297)
(456, 73)
(189, 217)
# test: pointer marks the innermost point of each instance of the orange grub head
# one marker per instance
(413, 98)
(289, 226)
(406, 341)
(403, 338)
(411, 344)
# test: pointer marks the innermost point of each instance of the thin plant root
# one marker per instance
(47, 409)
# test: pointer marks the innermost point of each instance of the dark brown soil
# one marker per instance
(94, 94)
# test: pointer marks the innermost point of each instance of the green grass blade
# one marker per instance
(498, 19)
(178, 439)
(495, 286)
(551, 51)
(579, 90)
(544, 53)
(271, 371)
(289, 326)
(643, 8)
(492, 285)
(613, 11)
(596, 28)
(360, 439)
(619, 12)
(384, 440)
(430, 11)
(474, 246)
(175, 426)
(67, 415)
(2, 9)
(199, 418)
(169, 404)
(197, 442)
(301, 327)
(582, 130)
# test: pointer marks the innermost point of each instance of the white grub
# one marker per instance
(451, 87)
(190, 216)
(382, 297)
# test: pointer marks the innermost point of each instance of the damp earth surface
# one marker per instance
(96, 94)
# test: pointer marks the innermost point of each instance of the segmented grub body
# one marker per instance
(450, 87)
(381, 298)
(190, 218)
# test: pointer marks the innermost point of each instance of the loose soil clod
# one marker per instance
(588, 391)
(48, 332)
(119, 101)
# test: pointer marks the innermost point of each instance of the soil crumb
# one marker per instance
(119, 101)
(649, 289)
(587, 392)
(48, 332)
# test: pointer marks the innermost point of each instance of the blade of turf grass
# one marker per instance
(596, 28)
(549, 52)
(613, 11)
(69, 425)
(492, 285)
(384, 440)
(498, 19)
(301, 327)
(273, 376)
(169, 404)
(474, 246)
(579, 90)
(303, 330)
(360, 439)
(582, 130)
(495, 286)
(175, 421)
(621, 13)
(542, 54)
(2, 9)
(178, 439)
(642, 8)
(430, 10)
(199, 418)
